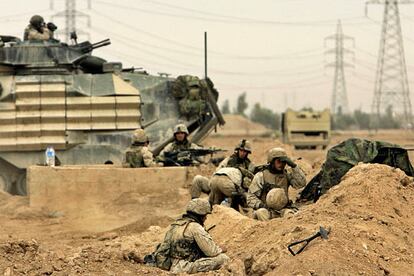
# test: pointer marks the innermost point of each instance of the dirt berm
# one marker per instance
(370, 215)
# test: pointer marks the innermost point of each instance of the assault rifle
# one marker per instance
(187, 157)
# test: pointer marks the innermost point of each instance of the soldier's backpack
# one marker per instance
(161, 257)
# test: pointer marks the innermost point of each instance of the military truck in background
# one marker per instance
(55, 94)
(306, 129)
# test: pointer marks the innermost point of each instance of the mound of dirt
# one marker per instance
(237, 125)
(370, 216)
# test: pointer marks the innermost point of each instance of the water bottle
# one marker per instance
(50, 156)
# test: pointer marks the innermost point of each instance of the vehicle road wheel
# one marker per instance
(4, 184)
(21, 187)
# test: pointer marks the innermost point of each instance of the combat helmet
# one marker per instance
(276, 199)
(199, 206)
(36, 21)
(244, 145)
(139, 136)
(180, 128)
(275, 153)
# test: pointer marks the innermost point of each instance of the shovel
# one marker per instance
(321, 233)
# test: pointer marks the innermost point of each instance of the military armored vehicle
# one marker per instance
(306, 129)
(59, 95)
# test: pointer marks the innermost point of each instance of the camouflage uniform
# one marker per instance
(191, 248)
(31, 33)
(177, 145)
(225, 183)
(202, 184)
(269, 179)
(37, 30)
(138, 155)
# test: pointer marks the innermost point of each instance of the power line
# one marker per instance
(339, 100)
(231, 19)
(391, 85)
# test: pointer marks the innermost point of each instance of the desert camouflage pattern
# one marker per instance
(265, 181)
(193, 249)
(138, 157)
(236, 162)
(200, 184)
(30, 33)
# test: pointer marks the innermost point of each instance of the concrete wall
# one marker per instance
(121, 194)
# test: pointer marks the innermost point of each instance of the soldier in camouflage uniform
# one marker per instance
(38, 30)
(180, 142)
(187, 246)
(138, 155)
(268, 192)
(239, 159)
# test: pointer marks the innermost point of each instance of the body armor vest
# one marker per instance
(134, 157)
(184, 248)
(271, 181)
(181, 146)
(236, 162)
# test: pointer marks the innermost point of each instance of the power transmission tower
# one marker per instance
(70, 14)
(339, 100)
(392, 93)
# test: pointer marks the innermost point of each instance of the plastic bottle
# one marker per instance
(50, 156)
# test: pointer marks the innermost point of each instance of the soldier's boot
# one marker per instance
(208, 264)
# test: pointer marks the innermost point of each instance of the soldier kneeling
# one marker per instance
(268, 192)
(187, 246)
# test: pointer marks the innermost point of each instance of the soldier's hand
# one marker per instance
(261, 205)
(51, 26)
(246, 182)
(288, 161)
(223, 249)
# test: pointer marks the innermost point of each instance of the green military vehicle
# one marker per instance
(306, 129)
(59, 95)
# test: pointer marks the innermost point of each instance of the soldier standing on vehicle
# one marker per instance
(239, 159)
(138, 154)
(180, 143)
(187, 246)
(38, 30)
(268, 192)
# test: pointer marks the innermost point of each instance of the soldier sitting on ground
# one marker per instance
(138, 154)
(240, 160)
(187, 246)
(268, 192)
(180, 142)
(38, 30)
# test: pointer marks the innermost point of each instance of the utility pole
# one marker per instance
(70, 14)
(391, 92)
(339, 100)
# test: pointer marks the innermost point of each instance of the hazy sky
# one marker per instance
(271, 49)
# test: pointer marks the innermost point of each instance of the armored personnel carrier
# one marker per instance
(59, 95)
(306, 129)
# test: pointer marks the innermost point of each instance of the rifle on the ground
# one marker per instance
(187, 157)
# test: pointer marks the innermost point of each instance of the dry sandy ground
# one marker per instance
(370, 215)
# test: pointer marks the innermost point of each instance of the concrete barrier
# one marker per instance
(108, 192)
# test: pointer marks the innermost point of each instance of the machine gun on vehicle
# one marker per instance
(87, 47)
(187, 157)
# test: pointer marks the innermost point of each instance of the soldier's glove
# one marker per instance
(246, 182)
(288, 161)
(51, 26)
